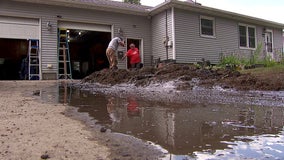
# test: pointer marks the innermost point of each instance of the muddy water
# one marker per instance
(198, 131)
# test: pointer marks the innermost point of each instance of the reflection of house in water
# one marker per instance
(181, 129)
(185, 130)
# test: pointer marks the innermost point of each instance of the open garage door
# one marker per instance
(14, 35)
(84, 26)
(87, 46)
(19, 28)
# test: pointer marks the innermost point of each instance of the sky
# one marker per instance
(271, 10)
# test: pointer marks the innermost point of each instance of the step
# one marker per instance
(34, 47)
(67, 61)
(61, 68)
(34, 56)
(63, 48)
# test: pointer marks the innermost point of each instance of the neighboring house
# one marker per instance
(181, 31)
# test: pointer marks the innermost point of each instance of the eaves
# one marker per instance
(125, 9)
(213, 12)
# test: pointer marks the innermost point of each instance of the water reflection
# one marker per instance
(132, 106)
(189, 130)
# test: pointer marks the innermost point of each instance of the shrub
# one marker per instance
(230, 60)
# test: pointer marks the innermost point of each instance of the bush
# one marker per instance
(230, 60)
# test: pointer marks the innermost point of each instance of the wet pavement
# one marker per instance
(189, 130)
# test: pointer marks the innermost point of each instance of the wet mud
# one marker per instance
(186, 74)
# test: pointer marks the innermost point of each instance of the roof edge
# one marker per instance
(160, 8)
(92, 6)
(213, 11)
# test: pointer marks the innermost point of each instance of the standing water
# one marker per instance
(189, 131)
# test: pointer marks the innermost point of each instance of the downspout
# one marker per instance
(173, 34)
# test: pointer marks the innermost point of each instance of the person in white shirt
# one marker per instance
(112, 48)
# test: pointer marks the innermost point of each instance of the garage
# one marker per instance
(87, 45)
(15, 33)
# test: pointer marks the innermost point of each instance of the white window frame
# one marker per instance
(247, 36)
(213, 27)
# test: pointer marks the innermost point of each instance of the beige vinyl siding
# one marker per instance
(259, 36)
(49, 45)
(50, 14)
(191, 46)
(159, 33)
(277, 38)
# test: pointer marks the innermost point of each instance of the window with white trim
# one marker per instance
(207, 26)
(247, 36)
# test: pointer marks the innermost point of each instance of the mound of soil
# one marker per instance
(185, 73)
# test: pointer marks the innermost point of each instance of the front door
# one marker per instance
(269, 43)
(138, 44)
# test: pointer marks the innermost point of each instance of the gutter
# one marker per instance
(161, 7)
(92, 6)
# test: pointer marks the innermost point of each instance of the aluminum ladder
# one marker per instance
(33, 55)
(64, 63)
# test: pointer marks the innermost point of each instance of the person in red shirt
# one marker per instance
(133, 56)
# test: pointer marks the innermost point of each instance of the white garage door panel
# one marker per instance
(16, 20)
(19, 28)
(84, 26)
(17, 31)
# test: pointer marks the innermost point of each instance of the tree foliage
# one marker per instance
(133, 1)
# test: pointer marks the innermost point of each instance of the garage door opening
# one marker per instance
(12, 53)
(87, 51)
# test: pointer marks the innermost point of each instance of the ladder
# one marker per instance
(64, 63)
(33, 59)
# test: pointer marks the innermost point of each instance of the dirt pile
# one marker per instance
(271, 81)
(185, 73)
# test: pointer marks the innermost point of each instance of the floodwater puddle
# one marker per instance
(188, 131)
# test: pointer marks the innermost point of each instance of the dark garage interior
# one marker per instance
(87, 54)
(87, 51)
(12, 52)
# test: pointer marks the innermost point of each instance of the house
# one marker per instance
(183, 32)
(283, 39)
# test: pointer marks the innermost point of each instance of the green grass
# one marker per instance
(266, 70)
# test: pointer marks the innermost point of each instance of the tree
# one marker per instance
(132, 1)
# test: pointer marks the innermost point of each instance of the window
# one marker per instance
(247, 36)
(243, 36)
(207, 26)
